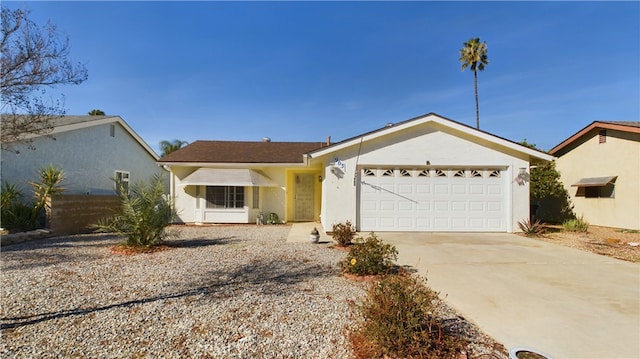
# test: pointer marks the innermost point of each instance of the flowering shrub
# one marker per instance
(369, 257)
(395, 322)
(343, 233)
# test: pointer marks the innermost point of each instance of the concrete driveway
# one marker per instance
(561, 301)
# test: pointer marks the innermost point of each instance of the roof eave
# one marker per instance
(431, 117)
(588, 128)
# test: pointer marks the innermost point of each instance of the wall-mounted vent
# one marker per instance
(602, 136)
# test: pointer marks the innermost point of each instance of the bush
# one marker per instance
(531, 229)
(143, 215)
(343, 233)
(396, 322)
(576, 225)
(369, 257)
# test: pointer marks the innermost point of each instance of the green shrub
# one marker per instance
(343, 233)
(531, 229)
(20, 217)
(395, 321)
(576, 225)
(369, 257)
(143, 215)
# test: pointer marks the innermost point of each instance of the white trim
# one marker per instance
(426, 119)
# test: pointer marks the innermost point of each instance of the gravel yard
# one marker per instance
(219, 292)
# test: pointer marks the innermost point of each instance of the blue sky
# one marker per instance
(301, 71)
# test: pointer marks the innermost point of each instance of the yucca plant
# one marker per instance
(531, 229)
(143, 215)
(51, 178)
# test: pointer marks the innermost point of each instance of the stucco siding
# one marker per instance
(89, 157)
(192, 205)
(419, 147)
(618, 156)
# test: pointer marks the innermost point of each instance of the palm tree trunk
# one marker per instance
(475, 84)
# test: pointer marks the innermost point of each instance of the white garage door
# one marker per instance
(463, 200)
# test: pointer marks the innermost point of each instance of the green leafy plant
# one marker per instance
(143, 215)
(369, 256)
(576, 225)
(395, 321)
(531, 228)
(272, 218)
(343, 233)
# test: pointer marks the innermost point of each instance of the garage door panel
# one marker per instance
(405, 206)
(409, 199)
(458, 189)
(458, 206)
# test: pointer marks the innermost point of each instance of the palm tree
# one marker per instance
(474, 56)
(167, 147)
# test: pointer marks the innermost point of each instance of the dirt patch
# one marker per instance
(131, 250)
(612, 242)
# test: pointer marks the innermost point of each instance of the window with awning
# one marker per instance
(228, 177)
(596, 187)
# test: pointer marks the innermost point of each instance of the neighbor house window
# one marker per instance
(112, 130)
(607, 191)
(122, 181)
(225, 197)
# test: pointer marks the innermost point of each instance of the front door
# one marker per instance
(304, 197)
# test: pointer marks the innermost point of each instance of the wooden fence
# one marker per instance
(71, 214)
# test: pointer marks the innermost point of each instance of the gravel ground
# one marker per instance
(219, 292)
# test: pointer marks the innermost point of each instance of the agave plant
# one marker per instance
(143, 215)
(531, 229)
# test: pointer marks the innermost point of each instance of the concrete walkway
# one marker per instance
(300, 232)
(561, 301)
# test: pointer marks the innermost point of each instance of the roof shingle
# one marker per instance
(242, 152)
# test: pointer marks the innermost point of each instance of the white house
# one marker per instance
(91, 150)
(428, 173)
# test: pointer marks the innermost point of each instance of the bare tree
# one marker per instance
(33, 60)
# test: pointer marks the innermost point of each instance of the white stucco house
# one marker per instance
(91, 150)
(428, 173)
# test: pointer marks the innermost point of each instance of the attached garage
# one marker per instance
(428, 173)
(444, 199)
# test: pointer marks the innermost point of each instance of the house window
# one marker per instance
(475, 173)
(387, 173)
(459, 173)
(495, 173)
(369, 172)
(602, 136)
(423, 173)
(112, 130)
(607, 191)
(256, 197)
(122, 181)
(405, 173)
(225, 197)
(440, 173)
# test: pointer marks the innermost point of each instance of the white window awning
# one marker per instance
(594, 181)
(228, 177)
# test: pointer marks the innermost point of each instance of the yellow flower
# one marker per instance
(353, 261)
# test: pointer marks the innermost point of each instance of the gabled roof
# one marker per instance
(624, 126)
(226, 152)
(435, 118)
(69, 123)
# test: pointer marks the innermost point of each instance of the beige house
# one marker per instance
(600, 168)
(428, 174)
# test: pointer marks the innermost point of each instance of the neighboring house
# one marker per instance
(91, 150)
(428, 173)
(600, 168)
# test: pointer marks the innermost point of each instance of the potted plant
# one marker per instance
(314, 237)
